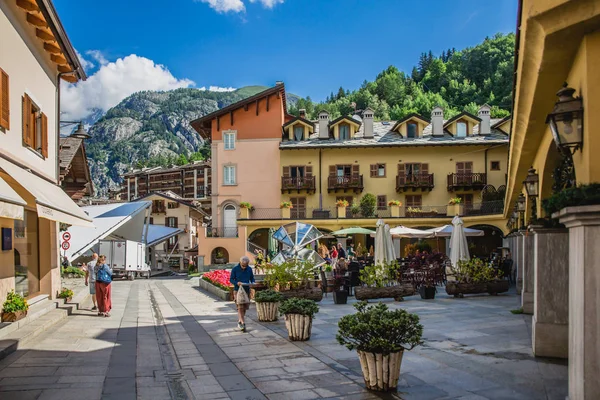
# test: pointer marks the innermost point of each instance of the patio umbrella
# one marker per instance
(446, 231)
(384, 247)
(391, 252)
(403, 231)
(459, 249)
(355, 230)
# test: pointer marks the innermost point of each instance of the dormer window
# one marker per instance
(298, 133)
(344, 132)
(411, 130)
(461, 129)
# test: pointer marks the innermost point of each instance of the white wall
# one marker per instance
(30, 71)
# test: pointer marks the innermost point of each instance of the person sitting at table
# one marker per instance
(341, 267)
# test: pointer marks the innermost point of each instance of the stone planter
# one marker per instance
(244, 213)
(500, 286)
(427, 293)
(298, 326)
(395, 211)
(341, 212)
(380, 372)
(267, 312)
(286, 213)
(226, 295)
(315, 294)
(13, 316)
(393, 292)
(340, 297)
(459, 289)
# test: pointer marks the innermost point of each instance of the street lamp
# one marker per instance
(80, 132)
(521, 203)
(532, 187)
(566, 120)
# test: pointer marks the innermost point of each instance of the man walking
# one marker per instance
(242, 274)
(91, 276)
(341, 251)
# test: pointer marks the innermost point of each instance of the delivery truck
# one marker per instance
(126, 258)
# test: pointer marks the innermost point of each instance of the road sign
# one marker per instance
(65, 245)
(66, 236)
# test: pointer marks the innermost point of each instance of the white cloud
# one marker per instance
(223, 6)
(113, 82)
(218, 89)
(86, 64)
(268, 3)
(98, 56)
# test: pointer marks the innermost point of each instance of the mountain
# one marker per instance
(152, 128)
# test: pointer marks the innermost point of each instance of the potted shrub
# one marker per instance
(380, 337)
(328, 271)
(355, 209)
(299, 314)
(413, 212)
(380, 281)
(395, 208)
(293, 278)
(14, 308)
(66, 294)
(219, 257)
(427, 290)
(286, 207)
(341, 208)
(471, 277)
(267, 304)
(368, 204)
(454, 206)
(340, 294)
(245, 209)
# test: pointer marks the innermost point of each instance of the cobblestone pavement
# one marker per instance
(168, 340)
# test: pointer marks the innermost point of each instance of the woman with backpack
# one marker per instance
(103, 286)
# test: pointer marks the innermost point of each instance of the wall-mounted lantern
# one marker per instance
(566, 120)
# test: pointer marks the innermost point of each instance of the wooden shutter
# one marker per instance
(425, 169)
(4, 101)
(27, 122)
(332, 170)
(381, 202)
(460, 167)
(308, 170)
(176, 222)
(373, 170)
(44, 144)
(401, 174)
(468, 167)
(286, 172)
(355, 169)
(167, 221)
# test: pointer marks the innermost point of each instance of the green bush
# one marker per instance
(376, 329)
(367, 205)
(379, 275)
(292, 273)
(74, 271)
(14, 302)
(474, 271)
(299, 306)
(268, 296)
(65, 293)
(583, 195)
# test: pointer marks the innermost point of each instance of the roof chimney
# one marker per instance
(368, 123)
(437, 121)
(323, 125)
(302, 113)
(277, 83)
(484, 125)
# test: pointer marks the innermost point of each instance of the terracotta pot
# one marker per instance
(13, 316)
(267, 312)
(298, 326)
(380, 372)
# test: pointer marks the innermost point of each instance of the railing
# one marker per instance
(354, 182)
(414, 181)
(486, 208)
(297, 183)
(229, 232)
(253, 248)
(471, 180)
(266, 213)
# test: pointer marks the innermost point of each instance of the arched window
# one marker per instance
(461, 129)
(298, 133)
(229, 221)
(411, 130)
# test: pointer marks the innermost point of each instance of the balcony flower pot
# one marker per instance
(427, 292)
(286, 213)
(299, 314)
(267, 304)
(13, 316)
(455, 209)
(244, 213)
(497, 286)
(14, 308)
(341, 212)
(395, 211)
(340, 297)
(380, 360)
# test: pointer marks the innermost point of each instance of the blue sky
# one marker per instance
(314, 46)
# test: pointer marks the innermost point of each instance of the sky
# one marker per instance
(314, 46)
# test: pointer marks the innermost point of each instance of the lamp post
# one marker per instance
(532, 187)
(80, 132)
(566, 120)
(521, 208)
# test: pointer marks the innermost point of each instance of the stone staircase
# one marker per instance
(42, 314)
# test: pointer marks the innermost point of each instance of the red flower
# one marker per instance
(219, 277)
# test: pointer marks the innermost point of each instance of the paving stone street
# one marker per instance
(168, 340)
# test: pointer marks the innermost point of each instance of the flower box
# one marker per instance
(315, 294)
(13, 316)
(341, 212)
(226, 295)
(286, 213)
(395, 211)
(459, 289)
(396, 292)
(244, 213)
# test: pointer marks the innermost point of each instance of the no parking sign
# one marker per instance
(65, 245)
(66, 236)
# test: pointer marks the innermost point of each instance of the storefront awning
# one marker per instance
(51, 201)
(11, 204)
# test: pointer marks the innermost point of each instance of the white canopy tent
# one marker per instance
(446, 231)
(405, 232)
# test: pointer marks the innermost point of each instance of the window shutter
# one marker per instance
(176, 222)
(44, 144)
(468, 167)
(167, 221)
(373, 170)
(355, 169)
(332, 170)
(286, 172)
(460, 168)
(401, 174)
(27, 131)
(309, 171)
(425, 169)
(4, 101)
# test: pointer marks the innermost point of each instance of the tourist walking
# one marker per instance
(103, 286)
(242, 276)
(90, 278)
(341, 251)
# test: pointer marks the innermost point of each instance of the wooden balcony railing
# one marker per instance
(345, 182)
(290, 184)
(414, 181)
(466, 181)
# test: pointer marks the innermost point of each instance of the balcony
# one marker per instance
(469, 181)
(289, 184)
(227, 232)
(345, 183)
(414, 182)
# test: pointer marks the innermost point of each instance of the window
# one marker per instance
(172, 204)
(344, 170)
(461, 129)
(229, 175)
(495, 165)
(377, 170)
(381, 202)
(151, 220)
(344, 132)
(229, 140)
(298, 133)
(413, 169)
(466, 200)
(413, 201)
(297, 172)
(411, 130)
(4, 101)
(158, 206)
(35, 127)
(172, 222)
